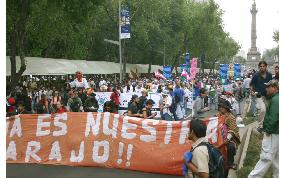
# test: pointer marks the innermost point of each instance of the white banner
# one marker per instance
(125, 98)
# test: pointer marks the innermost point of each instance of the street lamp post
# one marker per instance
(118, 42)
(164, 53)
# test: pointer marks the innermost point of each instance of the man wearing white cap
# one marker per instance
(269, 155)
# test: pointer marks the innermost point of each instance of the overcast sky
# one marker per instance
(237, 21)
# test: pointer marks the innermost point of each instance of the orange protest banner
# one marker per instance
(102, 139)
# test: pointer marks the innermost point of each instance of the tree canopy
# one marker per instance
(73, 29)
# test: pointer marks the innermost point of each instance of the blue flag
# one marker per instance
(167, 72)
(237, 71)
(125, 24)
(223, 71)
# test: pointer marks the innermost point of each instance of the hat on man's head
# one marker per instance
(273, 83)
(225, 104)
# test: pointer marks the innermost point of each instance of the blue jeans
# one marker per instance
(246, 92)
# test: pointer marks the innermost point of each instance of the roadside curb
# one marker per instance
(245, 145)
(242, 149)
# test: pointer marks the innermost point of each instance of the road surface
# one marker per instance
(58, 171)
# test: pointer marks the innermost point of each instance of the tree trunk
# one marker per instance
(17, 43)
(150, 61)
(15, 76)
(149, 68)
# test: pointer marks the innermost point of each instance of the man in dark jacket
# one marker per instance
(258, 89)
(269, 155)
(91, 103)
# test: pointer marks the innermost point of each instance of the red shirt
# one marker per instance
(61, 110)
(114, 96)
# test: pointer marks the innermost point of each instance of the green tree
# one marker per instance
(276, 36)
(71, 29)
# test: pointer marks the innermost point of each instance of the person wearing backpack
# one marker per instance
(197, 160)
(204, 160)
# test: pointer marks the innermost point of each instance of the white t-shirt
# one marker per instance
(188, 94)
(247, 82)
(77, 84)
(168, 102)
(102, 82)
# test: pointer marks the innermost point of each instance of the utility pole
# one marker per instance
(118, 42)
(164, 53)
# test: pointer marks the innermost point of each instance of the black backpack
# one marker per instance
(173, 106)
(216, 161)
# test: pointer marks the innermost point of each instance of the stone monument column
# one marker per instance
(253, 56)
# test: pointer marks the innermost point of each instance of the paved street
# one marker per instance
(50, 171)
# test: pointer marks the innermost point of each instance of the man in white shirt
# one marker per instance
(165, 103)
(187, 100)
(79, 81)
(246, 85)
(103, 85)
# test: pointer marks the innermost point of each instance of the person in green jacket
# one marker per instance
(269, 155)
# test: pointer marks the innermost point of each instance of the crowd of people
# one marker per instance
(206, 92)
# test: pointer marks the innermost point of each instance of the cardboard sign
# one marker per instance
(102, 139)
